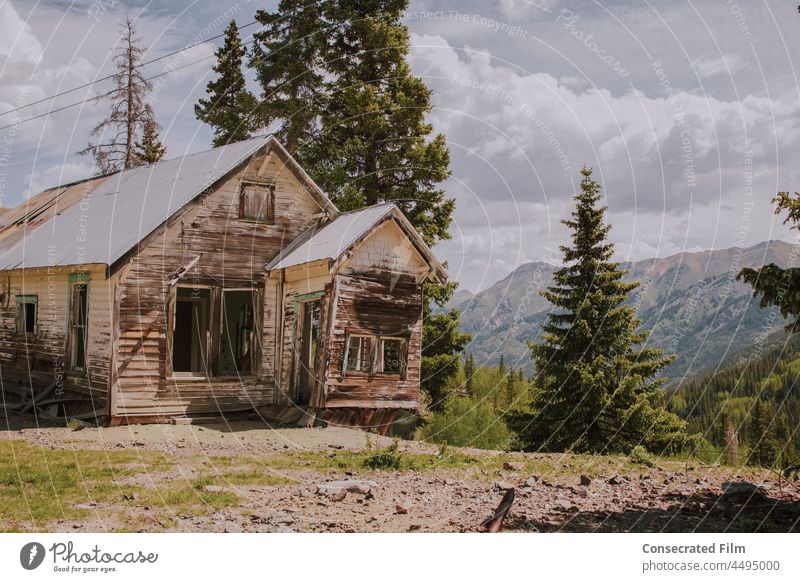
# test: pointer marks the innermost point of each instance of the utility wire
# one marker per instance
(90, 83)
(45, 114)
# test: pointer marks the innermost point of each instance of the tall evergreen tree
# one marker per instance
(374, 144)
(287, 58)
(469, 374)
(229, 107)
(596, 390)
(130, 111)
(511, 384)
(149, 149)
(501, 367)
(766, 451)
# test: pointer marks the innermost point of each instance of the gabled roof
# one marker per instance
(129, 205)
(333, 239)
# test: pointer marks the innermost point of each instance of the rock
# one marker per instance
(741, 487)
(586, 480)
(564, 504)
(339, 495)
(213, 489)
(504, 485)
(532, 481)
(615, 480)
(284, 529)
(349, 486)
(414, 527)
(509, 466)
(403, 507)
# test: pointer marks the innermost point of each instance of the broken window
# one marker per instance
(238, 332)
(359, 351)
(190, 331)
(257, 202)
(78, 318)
(392, 356)
(27, 308)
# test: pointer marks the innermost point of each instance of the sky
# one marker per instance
(687, 112)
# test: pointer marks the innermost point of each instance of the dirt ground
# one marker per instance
(246, 476)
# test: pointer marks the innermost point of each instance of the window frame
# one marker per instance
(75, 281)
(269, 187)
(402, 355)
(20, 301)
(215, 331)
(370, 358)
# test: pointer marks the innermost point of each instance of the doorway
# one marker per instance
(190, 335)
(236, 343)
(309, 338)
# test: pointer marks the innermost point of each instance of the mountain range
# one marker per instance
(690, 301)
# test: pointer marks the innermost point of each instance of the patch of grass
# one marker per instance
(640, 456)
(249, 476)
(38, 485)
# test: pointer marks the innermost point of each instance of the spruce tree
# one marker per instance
(149, 149)
(229, 106)
(501, 367)
(469, 374)
(765, 452)
(374, 144)
(287, 58)
(510, 388)
(597, 390)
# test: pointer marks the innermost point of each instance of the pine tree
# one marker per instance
(501, 367)
(149, 149)
(469, 374)
(374, 144)
(596, 390)
(130, 111)
(287, 58)
(229, 107)
(511, 387)
(766, 451)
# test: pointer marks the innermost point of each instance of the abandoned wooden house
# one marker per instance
(221, 281)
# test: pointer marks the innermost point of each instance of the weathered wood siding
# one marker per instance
(234, 253)
(33, 362)
(376, 303)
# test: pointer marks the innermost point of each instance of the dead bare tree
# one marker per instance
(130, 111)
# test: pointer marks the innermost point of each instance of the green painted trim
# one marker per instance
(27, 299)
(79, 278)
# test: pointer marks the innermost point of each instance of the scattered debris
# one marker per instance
(349, 486)
(403, 507)
(586, 480)
(495, 523)
(509, 466)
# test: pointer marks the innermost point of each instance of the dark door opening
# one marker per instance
(236, 343)
(310, 312)
(190, 332)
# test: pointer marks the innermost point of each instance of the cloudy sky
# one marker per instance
(689, 112)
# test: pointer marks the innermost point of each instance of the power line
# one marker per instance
(45, 114)
(90, 83)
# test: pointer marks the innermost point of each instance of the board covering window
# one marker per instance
(257, 202)
(27, 311)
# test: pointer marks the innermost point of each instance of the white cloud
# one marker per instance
(17, 43)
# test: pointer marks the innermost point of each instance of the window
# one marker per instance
(257, 202)
(359, 351)
(27, 308)
(392, 356)
(214, 332)
(78, 323)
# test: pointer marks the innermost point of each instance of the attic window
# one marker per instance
(257, 202)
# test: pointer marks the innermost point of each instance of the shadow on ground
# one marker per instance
(704, 512)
